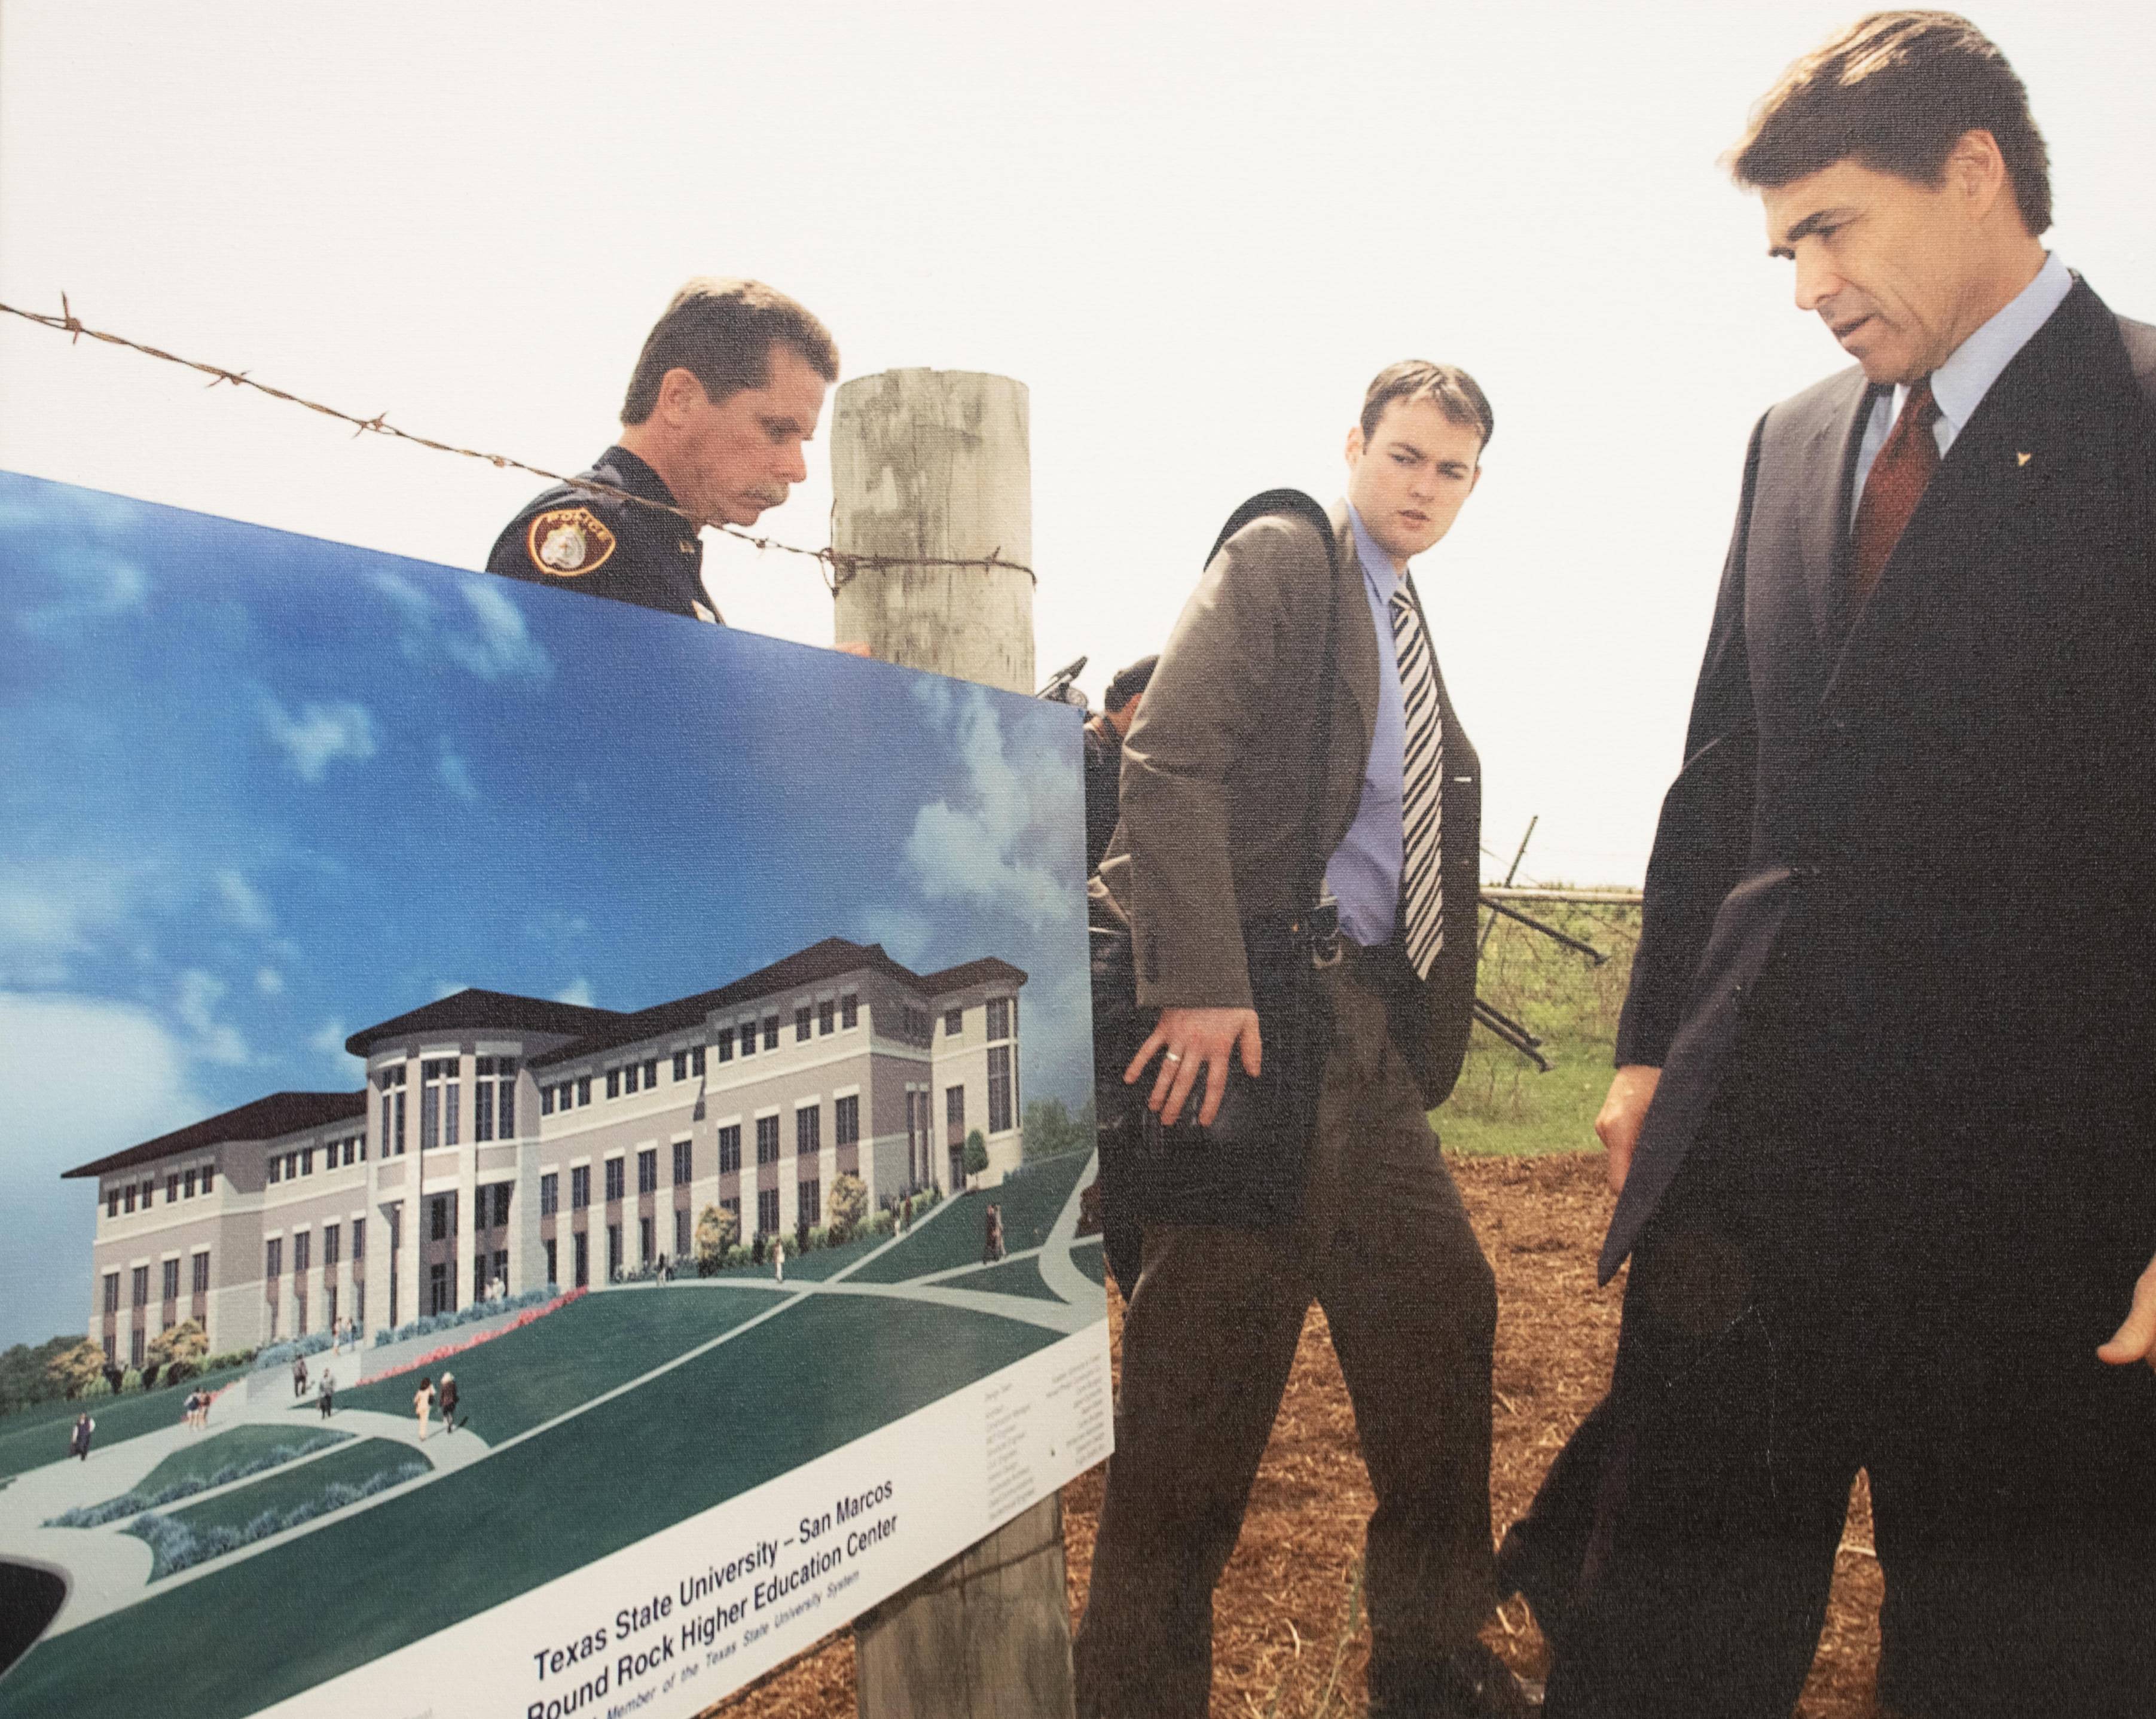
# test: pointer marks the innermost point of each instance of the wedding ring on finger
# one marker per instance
(1175, 1056)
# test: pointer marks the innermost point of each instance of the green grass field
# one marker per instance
(1502, 1103)
(38, 1435)
(708, 1430)
(514, 1382)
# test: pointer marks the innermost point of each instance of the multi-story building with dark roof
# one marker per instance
(507, 1140)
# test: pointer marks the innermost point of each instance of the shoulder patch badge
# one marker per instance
(569, 541)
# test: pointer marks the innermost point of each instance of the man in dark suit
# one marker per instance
(727, 388)
(1215, 842)
(1884, 1126)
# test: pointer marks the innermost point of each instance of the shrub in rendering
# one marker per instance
(715, 1235)
(847, 1206)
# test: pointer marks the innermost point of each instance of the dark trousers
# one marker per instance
(1384, 1246)
(1855, 1269)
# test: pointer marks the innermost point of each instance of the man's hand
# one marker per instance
(2136, 1340)
(1196, 1040)
(1617, 1125)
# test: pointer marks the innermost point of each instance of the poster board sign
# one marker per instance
(552, 1079)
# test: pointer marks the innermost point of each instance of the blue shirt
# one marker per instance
(1960, 384)
(1364, 874)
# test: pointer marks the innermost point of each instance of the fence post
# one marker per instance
(936, 464)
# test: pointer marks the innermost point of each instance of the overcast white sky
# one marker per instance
(1194, 232)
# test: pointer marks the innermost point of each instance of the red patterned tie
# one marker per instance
(1905, 465)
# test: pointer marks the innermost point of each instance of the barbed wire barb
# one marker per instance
(836, 566)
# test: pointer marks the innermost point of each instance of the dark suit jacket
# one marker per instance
(1215, 780)
(1933, 816)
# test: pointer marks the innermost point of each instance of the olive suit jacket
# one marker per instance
(1216, 783)
(1931, 819)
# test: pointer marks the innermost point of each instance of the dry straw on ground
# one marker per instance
(1281, 1649)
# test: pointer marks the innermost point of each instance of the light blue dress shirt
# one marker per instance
(1960, 384)
(1364, 875)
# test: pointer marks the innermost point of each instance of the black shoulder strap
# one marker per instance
(1310, 882)
(1295, 502)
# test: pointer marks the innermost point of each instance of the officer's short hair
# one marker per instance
(720, 331)
(1128, 684)
(1894, 92)
(1450, 388)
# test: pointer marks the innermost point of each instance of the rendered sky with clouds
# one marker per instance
(258, 791)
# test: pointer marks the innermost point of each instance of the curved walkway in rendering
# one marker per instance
(109, 1569)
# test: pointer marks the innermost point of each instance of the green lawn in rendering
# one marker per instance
(236, 1448)
(515, 1382)
(824, 1262)
(38, 1435)
(1010, 1277)
(817, 1377)
(950, 1237)
(280, 1491)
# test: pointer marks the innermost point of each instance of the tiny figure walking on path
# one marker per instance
(778, 1258)
(328, 1397)
(422, 1403)
(449, 1401)
(79, 1440)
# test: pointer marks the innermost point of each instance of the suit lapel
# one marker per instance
(1358, 641)
(2034, 413)
(1829, 467)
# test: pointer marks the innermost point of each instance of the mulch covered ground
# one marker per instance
(1282, 1646)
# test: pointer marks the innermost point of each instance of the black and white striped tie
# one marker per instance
(1422, 895)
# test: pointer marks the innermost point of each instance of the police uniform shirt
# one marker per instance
(610, 547)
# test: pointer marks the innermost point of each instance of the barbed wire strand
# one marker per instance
(836, 566)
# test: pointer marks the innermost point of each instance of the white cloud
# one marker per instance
(935, 695)
(328, 1041)
(269, 982)
(985, 853)
(49, 913)
(416, 608)
(93, 585)
(578, 994)
(196, 1007)
(83, 1078)
(320, 734)
(243, 903)
(455, 771)
(555, 926)
(904, 933)
(501, 645)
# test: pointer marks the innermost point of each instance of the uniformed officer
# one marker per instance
(728, 388)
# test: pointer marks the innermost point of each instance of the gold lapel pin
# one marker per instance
(2020, 459)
